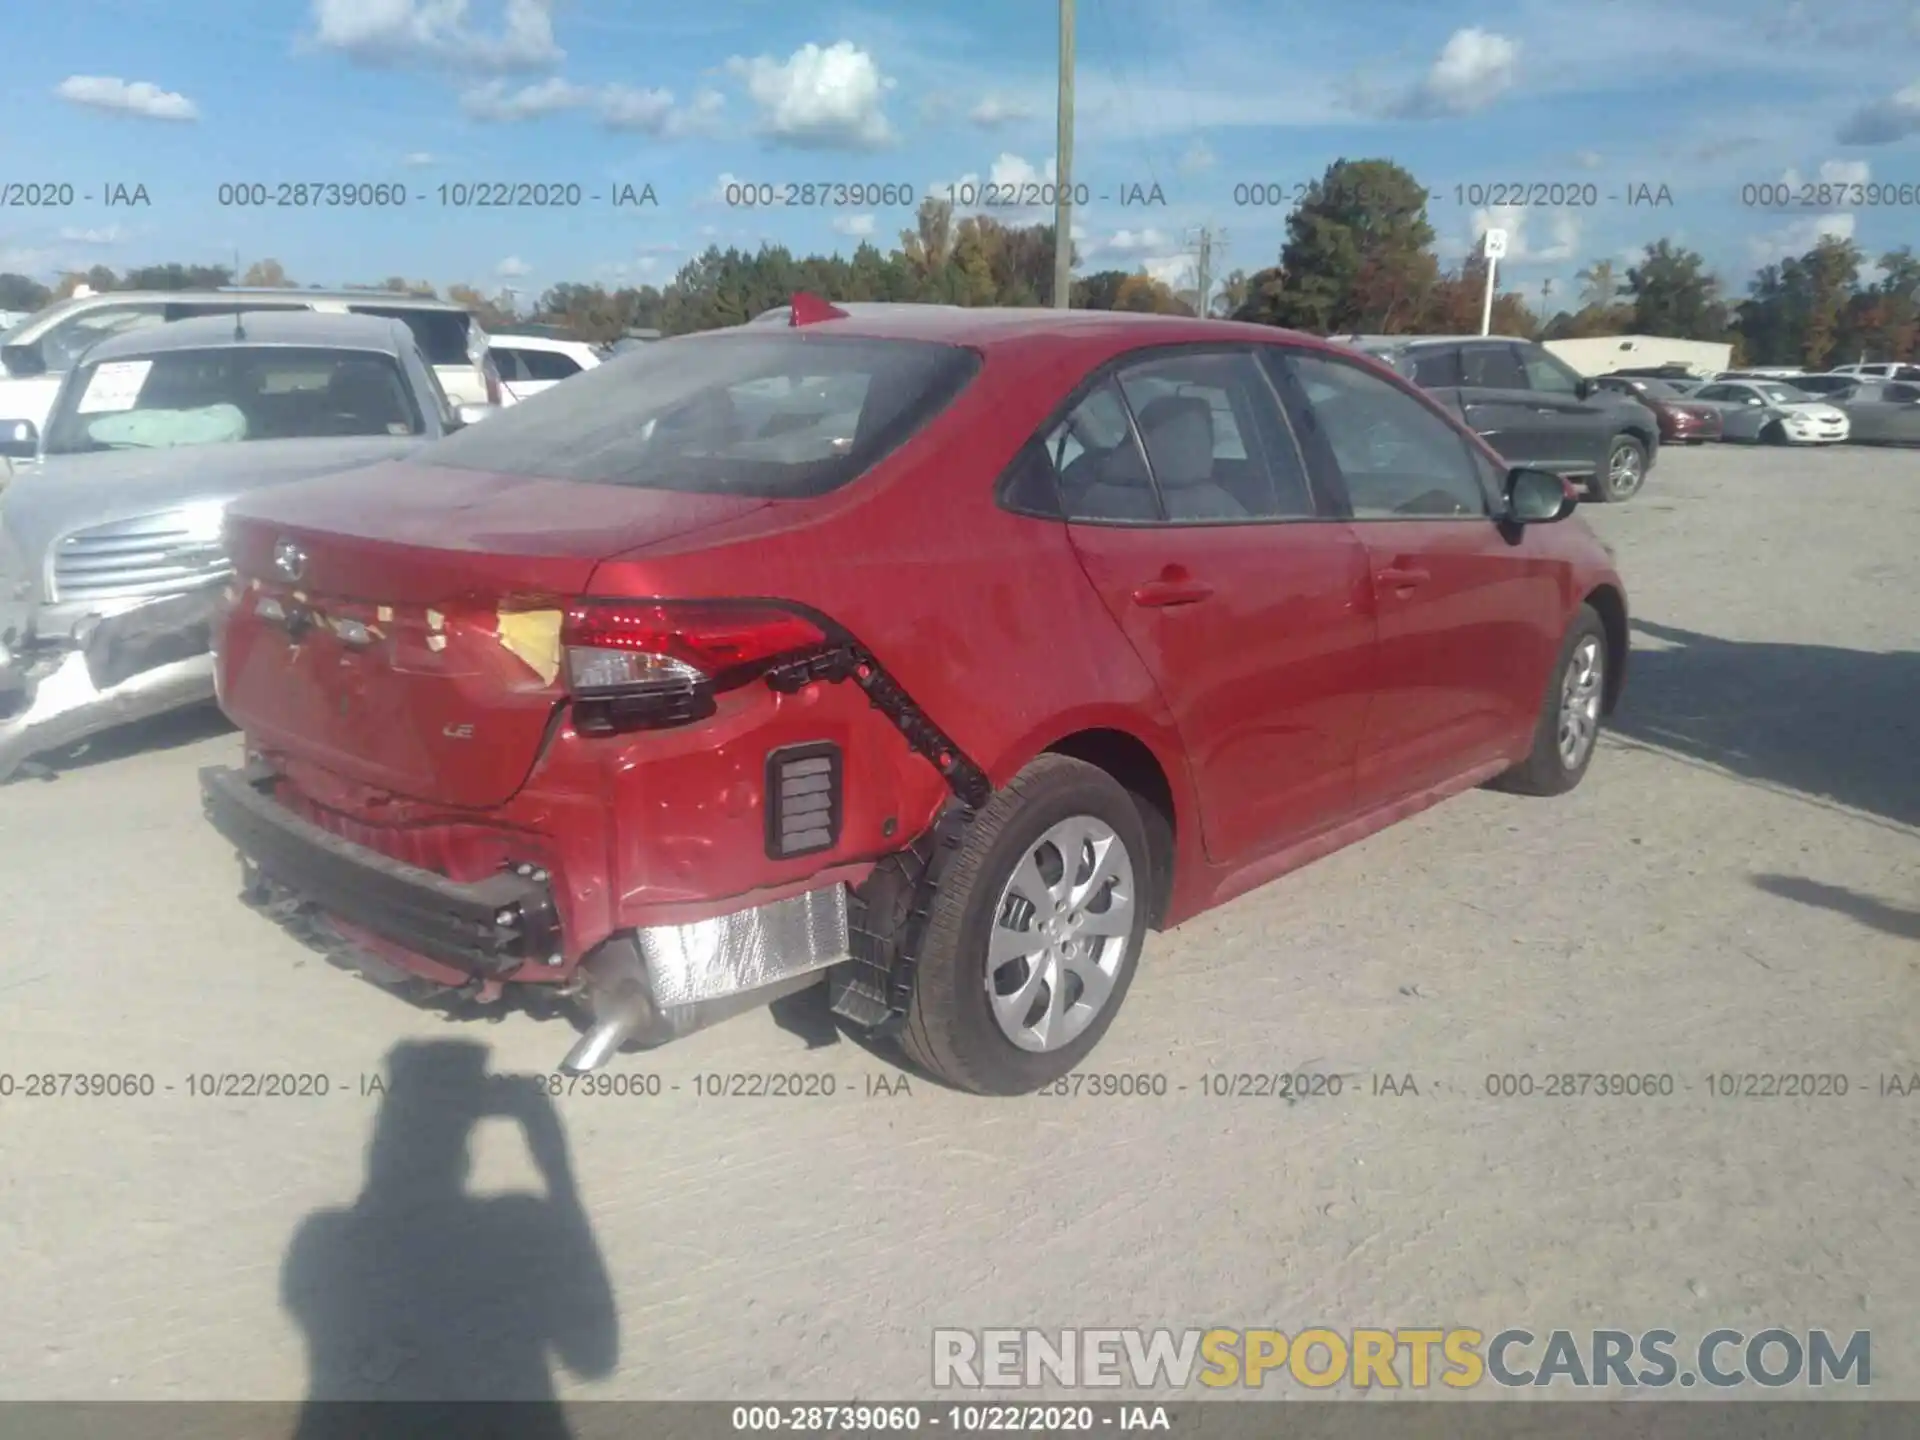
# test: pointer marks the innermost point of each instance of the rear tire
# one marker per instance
(966, 1012)
(1568, 730)
(1623, 474)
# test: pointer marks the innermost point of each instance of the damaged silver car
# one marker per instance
(111, 560)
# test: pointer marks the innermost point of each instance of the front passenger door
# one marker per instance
(1468, 619)
(1499, 405)
(1575, 430)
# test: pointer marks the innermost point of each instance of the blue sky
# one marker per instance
(1199, 97)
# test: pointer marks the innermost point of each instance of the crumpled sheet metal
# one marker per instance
(747, 949)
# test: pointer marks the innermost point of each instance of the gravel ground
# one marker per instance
(1736, 888)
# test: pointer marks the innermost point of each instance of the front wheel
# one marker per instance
(1625, 471)
(1568, 728)
(1034, 934)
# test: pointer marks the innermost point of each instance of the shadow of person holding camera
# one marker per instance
(420, 1291)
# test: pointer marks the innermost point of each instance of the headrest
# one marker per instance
(1178, 431)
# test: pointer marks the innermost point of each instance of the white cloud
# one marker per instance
(134, 97)
(107, 235)
(1563, 243)
(1007, 179)
(419, 159)
(1883, 122)
(1474, 68)
(619, 107)
(624, 108)
(1173, 271)
(701, 116)
(996, 111)
(819, 98)
(1198, 158)
(1589, 159)
(1797, 237)
(858, 226)
(495, 101)
(1134, 242)
(512, 268)
(437, 32)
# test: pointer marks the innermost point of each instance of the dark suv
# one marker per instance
(1531, 406)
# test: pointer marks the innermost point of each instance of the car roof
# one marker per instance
(259, 327)
(1091, 333)
(1413, 342)
(558, 344)
(386, 299)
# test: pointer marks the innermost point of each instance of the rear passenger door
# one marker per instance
(1188, 504)
(1468, 618)
(1498, 404)
(1436, 370)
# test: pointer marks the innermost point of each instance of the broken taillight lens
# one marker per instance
(631, 664)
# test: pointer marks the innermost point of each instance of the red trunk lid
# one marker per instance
(400, 624)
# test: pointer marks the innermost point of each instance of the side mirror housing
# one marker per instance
(1538, 497)
(19, 439)
(1587, 388)
(23, 361)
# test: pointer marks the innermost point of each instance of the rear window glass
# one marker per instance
(441, 334)
(234, 393)
(782, 415)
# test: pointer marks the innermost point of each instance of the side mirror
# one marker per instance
(19, 439)
(474, 414)
(1587, 387)
(1538, 497)
(23, 361)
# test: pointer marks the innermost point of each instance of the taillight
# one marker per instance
(644, 664)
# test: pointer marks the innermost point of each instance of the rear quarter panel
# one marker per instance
(983, 616)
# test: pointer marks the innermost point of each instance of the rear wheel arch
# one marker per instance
(1132, 762)
(1611, 606)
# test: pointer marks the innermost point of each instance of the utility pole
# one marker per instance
(1205, 241)
(1063, 169)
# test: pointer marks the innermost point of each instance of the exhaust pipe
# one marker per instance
(621, 1001)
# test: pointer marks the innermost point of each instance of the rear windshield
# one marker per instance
(207, 397)
(781, 415)
(441, 334)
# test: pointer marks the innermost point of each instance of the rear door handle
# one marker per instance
(1161, 594)
(1403, 577)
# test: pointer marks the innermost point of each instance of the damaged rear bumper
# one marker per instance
(140, 663)
(647, 985)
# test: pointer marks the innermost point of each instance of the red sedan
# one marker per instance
(1681, 422)
(933, 655)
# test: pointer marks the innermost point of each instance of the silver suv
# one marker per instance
(40, 351)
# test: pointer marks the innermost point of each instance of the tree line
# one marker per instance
(1358, 258)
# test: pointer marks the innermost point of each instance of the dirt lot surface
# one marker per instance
(1735, 889)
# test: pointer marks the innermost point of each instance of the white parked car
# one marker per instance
(529, 364)
(38, 353)
(1880, 370)
(1772, 412)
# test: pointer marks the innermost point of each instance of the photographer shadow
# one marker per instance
(420, 1291)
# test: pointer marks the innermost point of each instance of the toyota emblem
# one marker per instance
(289, 560)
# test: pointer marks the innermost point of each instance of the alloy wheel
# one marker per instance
(1580, 696)
(1060, 934)
(1624, 471)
